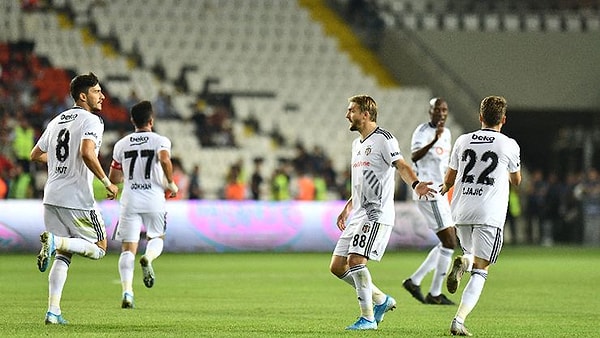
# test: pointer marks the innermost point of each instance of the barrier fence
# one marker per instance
(224, 226)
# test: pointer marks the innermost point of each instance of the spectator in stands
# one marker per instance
(302, 161)
(132, 99)
(553, 210)
(513, 214)
(53, 107)
(573, 223)
(20, 186)
(23, 141)
(181, 179)
(163, 106)
(200, 120)
(195, 190)
(345, 186)
(588, 192)
(535, 194)
(320, 187)
(256, 180)
(235, 188)
(280, 182)
(304, 186)
(3, 188)
(252, 124)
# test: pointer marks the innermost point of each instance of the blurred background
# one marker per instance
(253, 93)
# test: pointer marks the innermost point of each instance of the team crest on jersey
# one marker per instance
(368, 151)
(366, 227)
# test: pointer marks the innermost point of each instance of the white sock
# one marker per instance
(441, 269)
(378, 295)
(428, 264)
(78, 246)
(362, 280)
(56, 282)
(471, 294)
(154, 248)
(470, 258)
(126, 266)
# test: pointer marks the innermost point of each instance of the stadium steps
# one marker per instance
(349, 42)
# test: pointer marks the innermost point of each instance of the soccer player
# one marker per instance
(370, 210)
(431, 145)
(142, 160)
(70, 146)
(482, 166)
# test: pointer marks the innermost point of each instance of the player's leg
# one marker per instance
(126, 269)
(127, 232)
(447, 237)
(57, 278)
(86, 234)
(155, 232)
(487, 243)
(369, 242)
(413, 283)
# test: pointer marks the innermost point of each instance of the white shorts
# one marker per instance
(130, 226)
(368, 239)
(480, 240)
(75, 223)
(437, 214)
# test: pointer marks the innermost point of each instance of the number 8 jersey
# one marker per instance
(483, 160)
(137, 156)
(69, 183)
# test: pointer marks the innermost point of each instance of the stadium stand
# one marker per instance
(493, 15)
(269, 57)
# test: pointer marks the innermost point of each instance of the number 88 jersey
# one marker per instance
(483, 160)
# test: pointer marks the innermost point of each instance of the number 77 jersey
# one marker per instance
(483, 160)
(137, 155)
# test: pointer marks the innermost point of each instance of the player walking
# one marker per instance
(482, 166)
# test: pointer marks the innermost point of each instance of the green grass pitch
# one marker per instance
(531, 292)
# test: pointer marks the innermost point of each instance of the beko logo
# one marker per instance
(138, 139)
(482, 139)
(65, 118)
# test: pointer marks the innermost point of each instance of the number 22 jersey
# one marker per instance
(483, 160)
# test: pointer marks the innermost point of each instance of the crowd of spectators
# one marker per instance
(555, 209)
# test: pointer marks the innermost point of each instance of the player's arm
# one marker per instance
(165, 162)
(448, 181)
(418, 154)
(410, 178)
(115, 174)
(88, 154)
(515, 178)
(38, 155)
(343, 216)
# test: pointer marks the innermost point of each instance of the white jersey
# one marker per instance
(137, 155)
(69, 183)
(431, 167)
(483, 160)
(373, 177)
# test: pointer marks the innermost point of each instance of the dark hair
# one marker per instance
(82, 83)
(492, 110)
(141, 113)
(366, 103)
